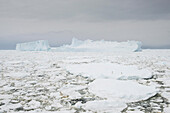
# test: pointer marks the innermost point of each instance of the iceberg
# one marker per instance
(82, 46)
(41, 45)
(99, 46)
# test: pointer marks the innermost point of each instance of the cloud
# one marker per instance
(116, 20)
(85, 10)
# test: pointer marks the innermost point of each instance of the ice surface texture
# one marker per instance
(54, 82)
(41, 45)
(109, 70)
(82, 46)
(100, 46)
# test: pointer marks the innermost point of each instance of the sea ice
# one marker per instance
(41, 45)
(118, 89)
(41, 76)
(16, 74)
(117, 93)
(109, 70)
(109, 106)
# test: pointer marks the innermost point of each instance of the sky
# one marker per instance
(58, 21)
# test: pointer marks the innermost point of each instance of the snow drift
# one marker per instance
(41, 45)
(99, 46)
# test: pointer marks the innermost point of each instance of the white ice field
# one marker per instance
(85, 82)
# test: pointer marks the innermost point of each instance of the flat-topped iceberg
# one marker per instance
(82, 46)
(99, 46)
(41, 45)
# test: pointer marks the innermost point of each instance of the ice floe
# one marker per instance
(109, 70)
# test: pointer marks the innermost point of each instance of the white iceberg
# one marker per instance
(41, 45)
(82, 46)
(99, 46)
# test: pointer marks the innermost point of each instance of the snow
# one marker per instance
(166, 110)
(109, 70)
(33, 104)
(108, 106)
(100, 46)
(16, 74)
(121, 90)
(117, 93)
(41, 45)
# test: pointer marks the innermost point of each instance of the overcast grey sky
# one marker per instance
(59, 20)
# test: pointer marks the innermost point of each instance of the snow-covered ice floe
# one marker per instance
(117, 94)
(109, 70)
(99, 46)
(118, 89)
(41, 45)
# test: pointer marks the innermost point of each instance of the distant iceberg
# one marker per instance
(82, 46)
(99, 46)
(41, 45)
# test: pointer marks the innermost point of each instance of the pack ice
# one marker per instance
(41, 45)
(99, 46)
